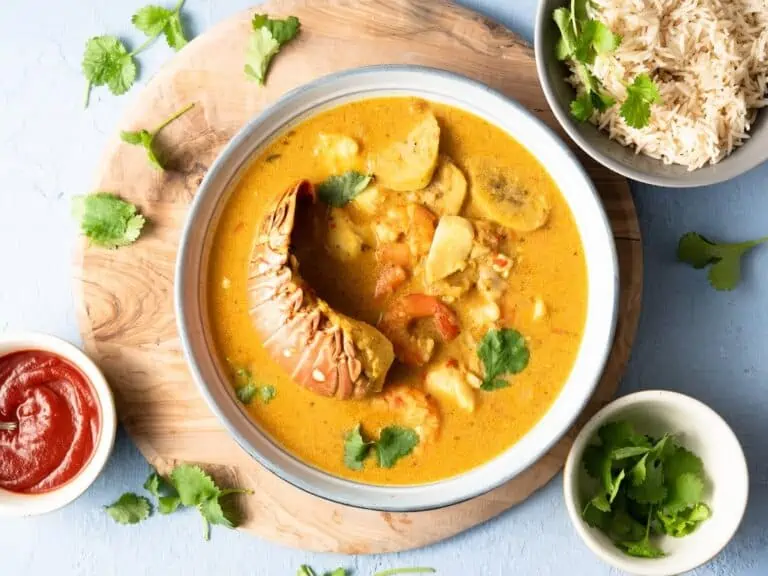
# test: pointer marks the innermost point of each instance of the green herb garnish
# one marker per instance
(107, 220)
(146, 138)
(267, 38)
(502, 352)
(156, 20)
(581, 40)
(187, 486)
(338, 190)
(129, 509)
(646, 488)
(305, 570)
(107, 62)
(394, 443)
(725, 259)
(246, 388)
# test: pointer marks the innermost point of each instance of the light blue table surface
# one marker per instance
(707, 344)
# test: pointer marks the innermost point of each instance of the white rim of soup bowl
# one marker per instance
(613, 556)
(15, 504)
(473, 97)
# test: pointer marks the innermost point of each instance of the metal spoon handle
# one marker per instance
(8, 426)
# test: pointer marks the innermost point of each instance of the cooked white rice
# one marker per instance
(710, 61)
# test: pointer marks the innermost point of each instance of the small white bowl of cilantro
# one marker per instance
(656, 483)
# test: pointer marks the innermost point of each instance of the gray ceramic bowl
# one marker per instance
(613, 155)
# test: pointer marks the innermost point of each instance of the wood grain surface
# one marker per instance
(126, 296)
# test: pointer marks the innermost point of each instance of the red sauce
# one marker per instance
(58, 421)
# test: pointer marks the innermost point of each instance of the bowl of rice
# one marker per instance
(668, 92)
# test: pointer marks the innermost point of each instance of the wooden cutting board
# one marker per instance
(126, 313)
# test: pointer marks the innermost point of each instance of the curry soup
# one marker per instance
(462, 415)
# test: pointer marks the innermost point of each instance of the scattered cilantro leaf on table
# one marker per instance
(647, 487)
(107, 220)
(305, 570)
(129, 509)
(502, 352)
(153, 20)
(339, 190)
(724, 259)
(395, 442)
(266, 39)
(146, 138)
(246, 388)
(107, 61)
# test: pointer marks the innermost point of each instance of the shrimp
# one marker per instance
(396, 320)
(414, 409)
(390, 279)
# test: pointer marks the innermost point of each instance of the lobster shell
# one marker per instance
(322, 349)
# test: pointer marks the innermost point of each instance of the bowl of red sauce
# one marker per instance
(57, 423)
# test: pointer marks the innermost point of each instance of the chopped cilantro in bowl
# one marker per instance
(656, 483)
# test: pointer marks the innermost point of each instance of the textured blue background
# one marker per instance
(707, 344)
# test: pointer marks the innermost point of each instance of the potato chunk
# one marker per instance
(342, 241)
(339, 152)
(450, 248)
(409, 165)
(448, 382)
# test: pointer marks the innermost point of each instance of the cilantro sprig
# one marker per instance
(338, 190)
(146, 138)
(107, 220)
(107, 61)
(581, 40)
(394, 443)
(723, 259)
(246, 388)
(646, 487)
(267, 38)
(502, 352)
(187, 486)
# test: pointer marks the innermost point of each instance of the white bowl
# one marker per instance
(702, 431)
(434, 85)
(14, 504)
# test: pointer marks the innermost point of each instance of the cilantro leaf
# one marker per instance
(395, 442)
(566, 45)
(582, 107)
(355, 449)
(636, 109)
(683, 522)
(193, 485)
(146, 138)
(129, 509)
(621, 434)
(642, 549)
(629, 452)
(592, 459)
(502, 352)
(151, 19)
(168, 504)
(652, 490)
(338, 190)
(305, 570)
(337, 572)
(247, 392)
(267, 38)
(107, 220)
(106, 62)
(685, 491)
(157, 485)
(267, 393)
(603, 40)
(213, 513)
(725, 272)
(156, 20)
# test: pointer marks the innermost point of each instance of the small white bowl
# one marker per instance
(13, 504)
(697, 428)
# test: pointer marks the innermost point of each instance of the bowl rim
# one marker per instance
(183, 320)
(642, 566)
(14, 504)
(543, 56)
